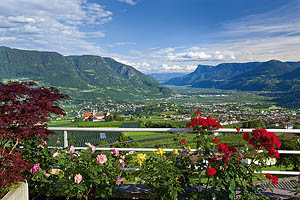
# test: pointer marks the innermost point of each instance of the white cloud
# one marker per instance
(270, 35)
(166, 50)
(131, 2)
(167, 67)
(54, 26)
(191, 67)
(188, 56)
(142, 66)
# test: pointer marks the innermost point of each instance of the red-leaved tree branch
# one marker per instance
(24, 108)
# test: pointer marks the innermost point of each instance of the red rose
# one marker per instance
(216, 140)
(274, 180)
(222, 147)
(198, 112)
(182, 141)
(269, 176)
(246, 136)
(238, 129)
(211, 171)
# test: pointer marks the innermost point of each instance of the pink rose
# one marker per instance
(122, 163)
(44, 143)
(55, 154)
(35, 168)
(92, 147)
(72, 150)
(115, 152)
(78, 178)
(119, 180)
(101, 159)
(122, 157)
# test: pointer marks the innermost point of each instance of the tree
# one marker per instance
(24, 109)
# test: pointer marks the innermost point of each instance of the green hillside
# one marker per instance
(82, 77)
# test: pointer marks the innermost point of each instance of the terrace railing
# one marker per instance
(167, 130)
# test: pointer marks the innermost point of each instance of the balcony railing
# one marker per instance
(178, 130)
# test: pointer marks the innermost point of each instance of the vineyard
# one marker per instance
(79, 138)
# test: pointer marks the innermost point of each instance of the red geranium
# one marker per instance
(183, 141)
(211, 171)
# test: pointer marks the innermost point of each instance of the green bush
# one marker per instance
(290, 143)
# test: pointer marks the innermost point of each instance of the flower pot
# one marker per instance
(19, 193)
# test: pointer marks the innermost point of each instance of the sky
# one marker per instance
(156, 35)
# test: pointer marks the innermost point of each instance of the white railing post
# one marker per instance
(66, 139)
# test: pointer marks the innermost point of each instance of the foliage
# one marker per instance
(290, 143)
(23, 110)
(80, 174)
(162, 176)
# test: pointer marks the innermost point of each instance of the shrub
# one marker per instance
(290, 143)
(23, 110)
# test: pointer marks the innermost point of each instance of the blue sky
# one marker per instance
(156, 35)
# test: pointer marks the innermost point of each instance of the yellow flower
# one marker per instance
(188, 147)
(140, 158)
(160, 151)
(175, 152)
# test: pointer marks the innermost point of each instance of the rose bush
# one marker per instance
(72, 173)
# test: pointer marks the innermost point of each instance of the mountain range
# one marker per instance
(280, 79)
(84, 77)
(163, 77)
(272, 75)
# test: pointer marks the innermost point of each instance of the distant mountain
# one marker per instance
(82, 77)
(272, 75)
(163, 77)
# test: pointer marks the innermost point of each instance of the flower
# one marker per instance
(216, 140)
(269, 176)
(35, 168)
(182, 141)
(101, 159)
(262, 139)
(78, 178)
(222, 147)
(299, 176)
(92, 147)
(175, 152)
(55, 154)
(115, 152)
(43, 143)
(198, 113)
(188, 148)
(238, 129)
(58, 140)
(119, 180)
(160, 151)
(211, 171)
(274, 180)
(246, 136)
(72, 150)
(140, 158)
(122, 162)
